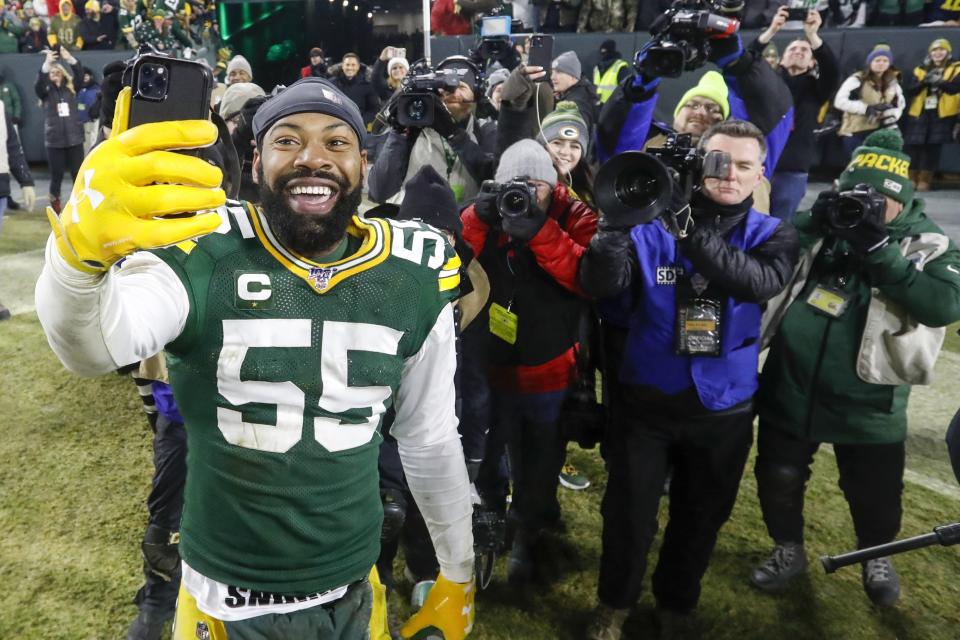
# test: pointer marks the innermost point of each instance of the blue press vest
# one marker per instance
(721, 382)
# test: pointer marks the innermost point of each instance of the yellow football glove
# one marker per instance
(448, 609)
(117, 197)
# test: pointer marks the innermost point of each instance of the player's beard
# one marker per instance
(306, 234)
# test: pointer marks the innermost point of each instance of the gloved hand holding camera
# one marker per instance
(855, 216)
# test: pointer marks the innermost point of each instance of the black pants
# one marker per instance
(62, 159)
(165, 506)
(924, 157)
(708, 453)
(871, 477)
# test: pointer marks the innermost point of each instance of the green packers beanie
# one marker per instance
(880, 162)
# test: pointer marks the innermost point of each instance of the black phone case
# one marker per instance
(541, 53)
(188, 98)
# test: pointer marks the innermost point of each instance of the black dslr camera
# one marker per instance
(489, 541)
(515, 199)
(854, 206)
(636, 187)
(419, 94)
(681, 35)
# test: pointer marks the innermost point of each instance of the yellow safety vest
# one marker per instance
(608, 82)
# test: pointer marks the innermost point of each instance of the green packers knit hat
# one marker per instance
(565, 123)
(881, 163)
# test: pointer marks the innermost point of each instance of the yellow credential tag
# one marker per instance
(503, 323)
(831, 302)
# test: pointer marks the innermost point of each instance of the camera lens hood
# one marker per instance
(633, 188)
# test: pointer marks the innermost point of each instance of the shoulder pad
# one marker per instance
(428, 247)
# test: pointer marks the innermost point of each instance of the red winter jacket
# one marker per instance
(557, 249)
(445, 21)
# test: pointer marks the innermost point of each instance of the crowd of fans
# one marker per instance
(565, 281)
(183, 28)
(462, 17)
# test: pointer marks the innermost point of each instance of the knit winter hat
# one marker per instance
(712, 87)
(429, 198)
(565, 123)
(881, 163)
(940, 43)
(568, 63)
(608, 48)
(398, 61)
(497, 77)
(880, 49)
(240, 63)
(236, 96)
(316, 51)
(526, 158)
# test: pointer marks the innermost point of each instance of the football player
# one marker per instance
(289, 329)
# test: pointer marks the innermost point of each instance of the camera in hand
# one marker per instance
(681, 35)
(515, 199)
(417, 101)
(854, 206)
(636, 187)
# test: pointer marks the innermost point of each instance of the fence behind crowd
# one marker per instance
(850, 45)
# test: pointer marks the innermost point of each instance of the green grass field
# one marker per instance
(75, 466)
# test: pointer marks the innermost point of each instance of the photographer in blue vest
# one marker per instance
(695, 278)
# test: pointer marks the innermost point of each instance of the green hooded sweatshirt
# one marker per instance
(809, 386)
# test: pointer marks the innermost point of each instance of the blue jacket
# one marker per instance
(756, 94)
(85, 99)
(721, 382)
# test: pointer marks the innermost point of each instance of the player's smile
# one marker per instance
(312, 195)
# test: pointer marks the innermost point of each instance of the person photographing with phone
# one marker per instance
(261, 305)
(694, 279)
(62, 128)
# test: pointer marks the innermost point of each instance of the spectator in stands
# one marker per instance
(607, 15)
(559, 16)
(896, 13)
(88, 90)
(388, 72)
(860, 324)
(12, 161)
(934, 103)
(870, 99)
(27, 11)
(317, 67)
(11, 29)
(569, 84)
(65, 27)
(458, 144)
(34, 39)
(495, 86)
(161, 33)
(771, 54)
(445, 20)
(942, 13)
(532, 264)
(129, 19)
(564, 133)
(810, 69)
(63, 132)
(351, 79)
(845, 13)
(684, 394)
(239, 70)
(12, 105)
(611, 71)
(99, 28)
(238, 106)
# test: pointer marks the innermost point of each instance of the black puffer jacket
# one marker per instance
(60, 131)
(360, 91)
(610, 264)
(15, 160)
(585, 95)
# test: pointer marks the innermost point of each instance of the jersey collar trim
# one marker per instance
(322, 277)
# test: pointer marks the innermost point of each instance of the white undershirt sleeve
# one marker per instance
(429, 445)
(96, 324)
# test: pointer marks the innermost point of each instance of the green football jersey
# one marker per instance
(282, 373)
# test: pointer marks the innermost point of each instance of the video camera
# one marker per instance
(636, 187)
(515, 198)
(419, 94)
(495, 43)
(854, 206)
(681, 35)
